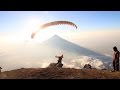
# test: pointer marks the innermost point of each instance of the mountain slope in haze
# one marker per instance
(60, 43)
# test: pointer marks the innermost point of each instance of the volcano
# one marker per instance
(59, 43)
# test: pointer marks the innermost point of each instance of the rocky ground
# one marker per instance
(59, 73)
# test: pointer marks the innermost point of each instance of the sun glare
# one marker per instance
(32, 24)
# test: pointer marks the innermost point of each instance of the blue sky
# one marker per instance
(85, 20)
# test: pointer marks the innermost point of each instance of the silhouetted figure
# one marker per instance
(0, 69)
(87, 66)
(115, 59)
(59, 63)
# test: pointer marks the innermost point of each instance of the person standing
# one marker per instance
(116, 55)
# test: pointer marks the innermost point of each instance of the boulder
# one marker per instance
(54, 65)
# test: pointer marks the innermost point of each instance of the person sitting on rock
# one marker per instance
(0, 69)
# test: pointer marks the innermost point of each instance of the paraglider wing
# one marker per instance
(57, 23)
(53, 23)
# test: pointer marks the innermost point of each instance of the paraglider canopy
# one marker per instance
(52, 24)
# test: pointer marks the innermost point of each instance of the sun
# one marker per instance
(32, 24)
